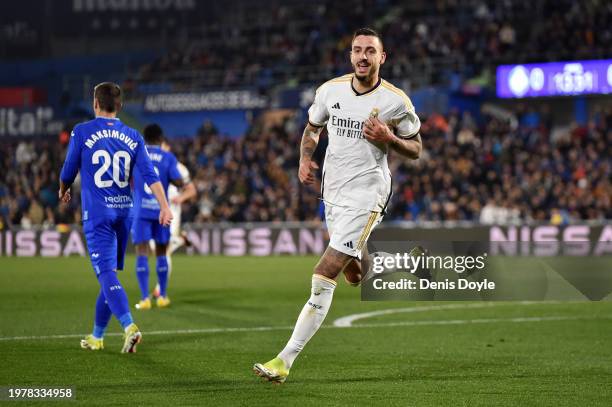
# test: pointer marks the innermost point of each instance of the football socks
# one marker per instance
(310, 318)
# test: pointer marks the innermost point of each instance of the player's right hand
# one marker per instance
(165, 216)
(65, 197)
(306, 173)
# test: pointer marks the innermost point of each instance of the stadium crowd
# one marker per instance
(498, 171)
(439, 42)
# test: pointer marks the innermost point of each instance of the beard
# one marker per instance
(367, 77)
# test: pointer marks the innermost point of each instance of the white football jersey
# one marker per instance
(356, 172)
(173, 191)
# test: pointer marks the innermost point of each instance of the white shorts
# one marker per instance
(349, 228)
(175, 226)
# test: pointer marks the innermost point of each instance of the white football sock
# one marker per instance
(169, 258)
(310, 318)
(176, 242)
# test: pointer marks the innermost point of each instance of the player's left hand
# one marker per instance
(376, 131)
(64, 197)
(165, 216)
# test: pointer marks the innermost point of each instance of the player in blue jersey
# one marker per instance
(146, 212)
(176, 198)
(106, 152)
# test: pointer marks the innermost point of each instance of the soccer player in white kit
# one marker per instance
(176, 197)
(365, 117)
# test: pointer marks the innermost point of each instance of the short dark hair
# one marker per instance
(108, 95)
(369, 32)
(153, 134)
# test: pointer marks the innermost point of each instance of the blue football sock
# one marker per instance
(102, 317)
(162, 274)
(142, 273)
(115, 297)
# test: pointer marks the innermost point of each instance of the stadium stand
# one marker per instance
(428, 42)
(491, 173)
(487, 170)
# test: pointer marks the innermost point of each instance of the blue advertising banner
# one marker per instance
(555, 79)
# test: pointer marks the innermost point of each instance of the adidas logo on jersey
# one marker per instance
(349, 245)
(336, 106)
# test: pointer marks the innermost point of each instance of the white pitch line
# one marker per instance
(472, 321)
(348, 320)
(173, 332)
(344, 322)
(288, 328)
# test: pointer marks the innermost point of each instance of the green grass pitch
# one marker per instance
(503, 354)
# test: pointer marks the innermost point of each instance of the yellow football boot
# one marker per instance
(143, 304)
(92, 343)
(274, 371)
(132, 337)
(163, 302)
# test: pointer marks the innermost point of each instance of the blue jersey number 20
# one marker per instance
(104, 157)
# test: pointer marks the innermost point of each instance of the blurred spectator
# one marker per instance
(489, 172)
(428, 42)
(24, 153)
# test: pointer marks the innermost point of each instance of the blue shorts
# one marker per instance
(144, 230)
(106, 242)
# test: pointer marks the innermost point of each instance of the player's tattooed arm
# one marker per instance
(410, 148)
(378, 132)
(310, 139)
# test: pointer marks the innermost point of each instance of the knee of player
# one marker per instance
(161, 249)
(326, 272)
(353, 279)
(142, 249)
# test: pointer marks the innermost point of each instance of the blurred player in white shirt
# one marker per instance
(176, 198)
(365, 117)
